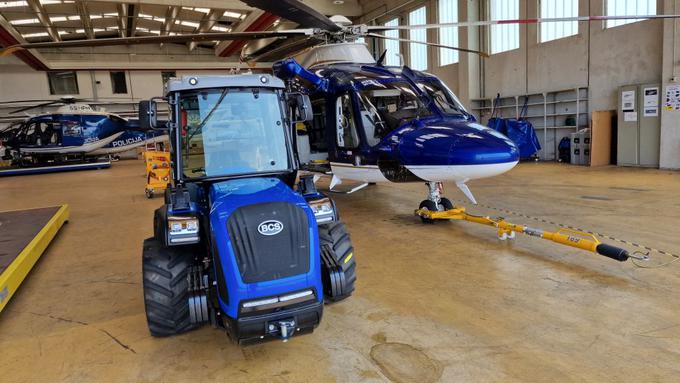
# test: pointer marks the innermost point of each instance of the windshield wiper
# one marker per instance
(205, 120)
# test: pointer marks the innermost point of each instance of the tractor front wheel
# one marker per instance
(338, 261)
(166, 288)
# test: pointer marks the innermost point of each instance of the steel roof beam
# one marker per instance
(85, 18)
(170, 19)
(122, 19)
(44, 18)
(132, 16)
(208, 21)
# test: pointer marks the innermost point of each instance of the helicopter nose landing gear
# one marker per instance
(435, 201)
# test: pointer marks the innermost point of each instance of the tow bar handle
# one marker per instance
(613, 252)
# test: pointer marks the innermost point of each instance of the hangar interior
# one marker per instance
(596, 95)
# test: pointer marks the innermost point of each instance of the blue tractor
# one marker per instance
(241, 242)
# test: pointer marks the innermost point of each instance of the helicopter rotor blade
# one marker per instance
(296, 11)
(483, 54)
(160, 39)
(284, 50)
(36, 106)
(482, 23)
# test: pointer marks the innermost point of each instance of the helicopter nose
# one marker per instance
(457, 152)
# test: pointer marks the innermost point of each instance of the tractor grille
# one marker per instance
(264, 257)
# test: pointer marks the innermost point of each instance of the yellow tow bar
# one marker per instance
(507, 230)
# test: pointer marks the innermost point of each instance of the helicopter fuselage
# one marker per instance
(85, 133)
(390, 124)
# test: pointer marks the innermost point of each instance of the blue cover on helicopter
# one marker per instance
(519, 131)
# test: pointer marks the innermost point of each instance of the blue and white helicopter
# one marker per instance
(372, 123)
(74, 132)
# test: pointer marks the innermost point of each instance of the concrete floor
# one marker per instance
(445, 302)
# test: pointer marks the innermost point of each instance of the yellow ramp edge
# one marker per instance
(16, 272)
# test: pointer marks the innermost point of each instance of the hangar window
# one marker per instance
(504, 37)
(418, 52)
(118, 83)
(448, 13)
(628, 8)
(392, 46)
(557, 9)
(63, 82)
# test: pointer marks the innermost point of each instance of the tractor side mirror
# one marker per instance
(148, 114)
(303, 107)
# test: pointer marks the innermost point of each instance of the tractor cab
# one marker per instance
(238, 243)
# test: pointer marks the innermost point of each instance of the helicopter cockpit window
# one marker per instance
(228, 132)
(346, 130)
(387, 106)
(444, 98)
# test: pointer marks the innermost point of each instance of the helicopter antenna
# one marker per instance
(381, 59)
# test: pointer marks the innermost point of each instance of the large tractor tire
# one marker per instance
(166, 288)
(338, 261)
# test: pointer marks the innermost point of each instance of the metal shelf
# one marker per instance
(553, 117)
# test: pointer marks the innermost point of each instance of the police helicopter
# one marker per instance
(74, 132)
(372, 122)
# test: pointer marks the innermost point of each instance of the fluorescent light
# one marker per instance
(58, 19)
(220, 29)
(234, 15)
(49, 2)
(187, 23)
(24, 21)
(39, 34)
(12, 4)
(202, 10)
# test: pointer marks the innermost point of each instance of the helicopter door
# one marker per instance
(346, 130)
(312, 144)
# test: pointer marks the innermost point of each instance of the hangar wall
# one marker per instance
(603, 59)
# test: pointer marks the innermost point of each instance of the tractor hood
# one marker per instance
(266, 239)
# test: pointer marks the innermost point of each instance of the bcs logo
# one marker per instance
(271, 227)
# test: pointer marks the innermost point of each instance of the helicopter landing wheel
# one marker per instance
(430, 206)
(446, 204)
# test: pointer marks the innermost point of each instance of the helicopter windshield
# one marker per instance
(443, 97)
(385, 107)
(228, 132)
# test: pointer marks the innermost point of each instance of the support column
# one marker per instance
(670, 120)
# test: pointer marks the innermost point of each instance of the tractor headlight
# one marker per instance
(182, 229)
(323, 210)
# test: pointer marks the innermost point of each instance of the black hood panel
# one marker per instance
(278, 250)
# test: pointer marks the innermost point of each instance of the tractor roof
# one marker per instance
(230, 81)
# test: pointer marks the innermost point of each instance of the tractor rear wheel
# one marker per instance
(338, 261)
(166, 288)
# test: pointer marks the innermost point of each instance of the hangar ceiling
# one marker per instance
(33, 21)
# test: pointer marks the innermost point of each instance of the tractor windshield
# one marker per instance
(232, 131)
